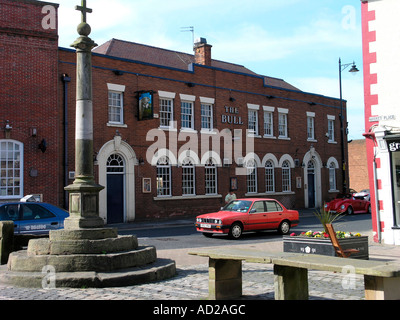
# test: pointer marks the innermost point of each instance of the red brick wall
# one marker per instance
(358, 166)
(28, 91)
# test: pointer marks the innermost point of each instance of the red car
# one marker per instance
(349, 205)
(243, 215)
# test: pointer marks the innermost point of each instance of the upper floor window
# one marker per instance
(283, 123)
(253, 118)
(310, 126)
(187, 115)
(331, 128)
(11, 170)
(166, 112)
(115, 104)
(206, 117)
(166, 103)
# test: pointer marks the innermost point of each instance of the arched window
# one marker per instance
(269, 176)
(11, 170)
(163, 177)
(251, 176)
(188, 177)
(286, 177)
(115, 164)
(211, 177)
(332, 176)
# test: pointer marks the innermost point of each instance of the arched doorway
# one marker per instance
(115, 189)
(121, 148)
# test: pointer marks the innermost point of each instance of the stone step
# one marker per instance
(161, 269)
(21, 261)
(84, 246)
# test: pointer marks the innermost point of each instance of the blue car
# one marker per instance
(33, 217)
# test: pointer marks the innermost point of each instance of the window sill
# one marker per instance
(269, 137)
(168, 129)
(216, 196)
(284, 138)
(118, 125)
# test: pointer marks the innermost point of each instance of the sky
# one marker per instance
(299, 41)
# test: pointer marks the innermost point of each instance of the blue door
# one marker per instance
(115, 189)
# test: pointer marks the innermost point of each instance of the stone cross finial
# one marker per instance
(84, 9)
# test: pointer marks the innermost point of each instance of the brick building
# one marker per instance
(358, 165)
(174, 131)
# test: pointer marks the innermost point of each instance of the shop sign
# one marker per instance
(394, 146)
(232, 117)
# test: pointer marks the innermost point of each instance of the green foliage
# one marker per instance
(326, 217)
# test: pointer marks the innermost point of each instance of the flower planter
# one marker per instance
(322, 246)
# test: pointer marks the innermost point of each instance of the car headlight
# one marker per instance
(219, 221)
(326, 206)
(198, 219)
(342, 207)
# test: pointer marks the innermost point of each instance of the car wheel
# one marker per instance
(236, 231)
(369, 210)
(284, 227)
(350, 211)
(207, 235)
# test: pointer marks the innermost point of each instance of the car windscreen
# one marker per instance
(238, 206)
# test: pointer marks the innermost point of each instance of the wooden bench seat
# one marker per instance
(381, 279)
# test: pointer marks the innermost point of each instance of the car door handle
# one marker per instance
(54, 223)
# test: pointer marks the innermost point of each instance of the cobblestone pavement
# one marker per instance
(191, 283)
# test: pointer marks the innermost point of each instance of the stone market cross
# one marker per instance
(84, 9)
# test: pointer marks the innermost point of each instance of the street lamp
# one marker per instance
(353, 69)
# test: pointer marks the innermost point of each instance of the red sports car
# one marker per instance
(349, 204)
(243, 215)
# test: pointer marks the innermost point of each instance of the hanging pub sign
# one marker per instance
(146, 110)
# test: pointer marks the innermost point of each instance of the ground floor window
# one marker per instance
(163, 177)
(11, 171)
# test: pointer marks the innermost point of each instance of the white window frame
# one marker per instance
(269, 177)
(283, 123)
(116, 89)
(211, 177)
(311, 126)
(251, 181)
(332, 177)
(208, 119)
(253, 119)
(286, 177)
(164, 172)
(187, 104)
(188, 177)
(268, 122)
(165, 96)
(331, 129)
(11, 185)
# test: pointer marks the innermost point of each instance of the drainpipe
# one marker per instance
(66, 79)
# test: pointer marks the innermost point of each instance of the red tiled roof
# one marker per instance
(173, 59)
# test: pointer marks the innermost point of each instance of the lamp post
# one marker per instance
(353, 69)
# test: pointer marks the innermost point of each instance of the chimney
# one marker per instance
(202, 52)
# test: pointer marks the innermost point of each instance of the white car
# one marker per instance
(364, 194)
